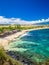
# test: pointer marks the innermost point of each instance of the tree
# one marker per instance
(18, 27)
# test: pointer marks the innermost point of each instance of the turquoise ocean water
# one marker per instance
(33, 45)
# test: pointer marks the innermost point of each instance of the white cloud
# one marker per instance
(4, 20)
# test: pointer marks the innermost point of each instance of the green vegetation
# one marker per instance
(8, 28)
(33, 27)
(6, 59)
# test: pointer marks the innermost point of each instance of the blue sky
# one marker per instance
(28, 10)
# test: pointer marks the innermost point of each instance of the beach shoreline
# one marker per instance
(6, 40)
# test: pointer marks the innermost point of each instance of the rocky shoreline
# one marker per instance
(21, 58)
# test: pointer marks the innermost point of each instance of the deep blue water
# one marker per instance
(33, 45)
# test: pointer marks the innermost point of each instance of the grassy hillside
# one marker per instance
(7, 60)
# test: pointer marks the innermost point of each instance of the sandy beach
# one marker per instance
(6, 40)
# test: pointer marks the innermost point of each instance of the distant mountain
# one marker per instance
(43, 23)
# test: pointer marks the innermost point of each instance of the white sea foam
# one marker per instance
(24, 35)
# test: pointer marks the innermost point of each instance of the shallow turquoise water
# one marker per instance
(33, 45)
